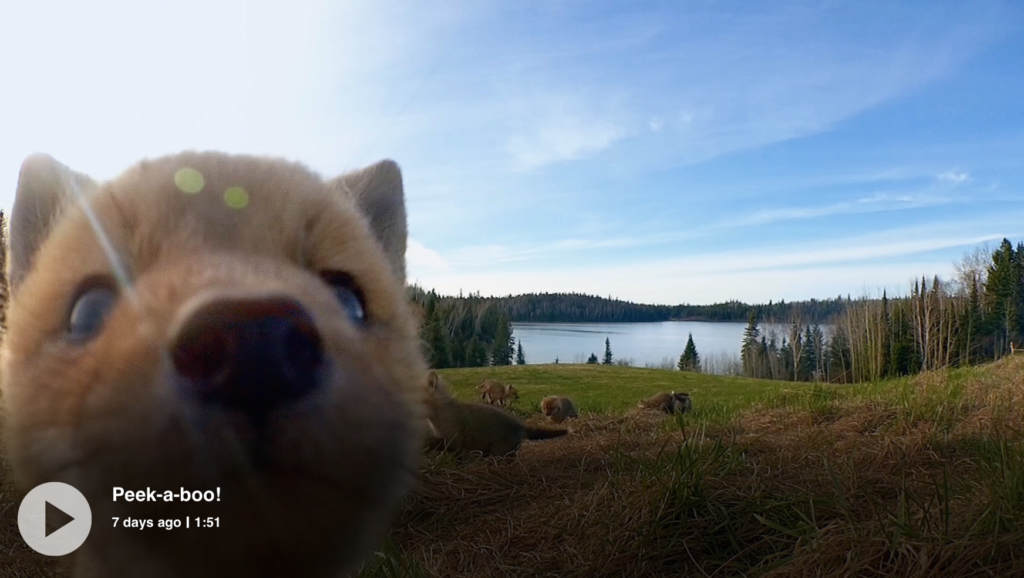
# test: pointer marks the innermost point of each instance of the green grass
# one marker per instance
(920, 476)
(608, 389)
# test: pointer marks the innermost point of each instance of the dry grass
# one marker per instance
(921, 477)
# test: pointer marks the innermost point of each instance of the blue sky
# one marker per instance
(662, 152)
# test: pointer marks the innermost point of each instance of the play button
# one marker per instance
(54, 519)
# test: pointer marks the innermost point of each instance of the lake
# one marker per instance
(647, 344)
(644, 343)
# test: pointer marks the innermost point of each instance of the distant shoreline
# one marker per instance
(690, 319)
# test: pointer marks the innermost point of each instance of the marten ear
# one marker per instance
(377, 190)
(432, 378)
(45, 187)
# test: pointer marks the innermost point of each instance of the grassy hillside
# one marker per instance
(918, 477)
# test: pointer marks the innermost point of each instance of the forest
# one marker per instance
(976, 316)
(469, 331)
(580, 308)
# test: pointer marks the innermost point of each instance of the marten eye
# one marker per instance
(90, 311)
(348, 294)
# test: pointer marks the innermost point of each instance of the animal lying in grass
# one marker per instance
(464, 427)
(493, 392)
(668, 402)
(558, 408)
(207, 321)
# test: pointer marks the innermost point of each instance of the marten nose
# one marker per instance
(250, 355)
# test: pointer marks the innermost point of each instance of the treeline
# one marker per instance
(466, 332)
(473, 331)
(974, 318)
(580, 308)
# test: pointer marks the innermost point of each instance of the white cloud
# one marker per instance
(878, 202)
(423, 260)
(563, 139)
(656, 124)
(955, 177)
(653, 283)
(763, 271)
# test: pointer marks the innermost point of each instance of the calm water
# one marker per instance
(645, 343)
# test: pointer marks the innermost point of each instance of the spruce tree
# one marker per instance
(807, 356)
(820, 352)
(476, 353)
(592, 359)
(520, 358)
(972, 334)
(1001, 288)
(503, 349)
(786, 362)
(689, 360)
(438, 354)
(607, 352)
(751, 347)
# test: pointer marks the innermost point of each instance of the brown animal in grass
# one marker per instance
(464, 427)
(207, 321)
(558, 408)
(681, 403)
(668, 402)
(493, 392)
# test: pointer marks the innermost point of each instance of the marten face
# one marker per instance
(207, 321)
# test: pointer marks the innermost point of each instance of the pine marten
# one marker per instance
(207, 321)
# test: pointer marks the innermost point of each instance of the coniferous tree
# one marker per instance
(476, 353)
(457, 350)
(607, 352)
(751, 350)
(503, 350)
(903, 359)
(820, 351)
(520, 358)
(436, 341)
(1001, 296)
(808, 357)
(592, 360)
(972, 323)
(786, 361)
(690, 359)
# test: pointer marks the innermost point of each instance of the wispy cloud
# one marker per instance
(563, 139)
(885, 243)
(681, 286)
(955, 177)
(758, 274)
(423, 259)
(875, 203)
